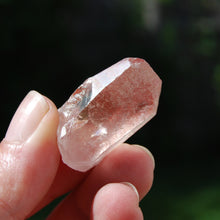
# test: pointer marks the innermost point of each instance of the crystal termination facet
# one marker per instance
(106, 110)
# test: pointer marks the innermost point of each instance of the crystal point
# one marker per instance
(105, 111)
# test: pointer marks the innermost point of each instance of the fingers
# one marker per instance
(29, 157)
(65, 181)
(116, 201)
(31, 172)
(126, 163)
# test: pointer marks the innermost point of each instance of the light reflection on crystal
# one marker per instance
(63, 132)
(100, 132)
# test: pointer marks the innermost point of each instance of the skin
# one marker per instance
(32, 173)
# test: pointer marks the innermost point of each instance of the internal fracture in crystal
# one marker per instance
(106, 110)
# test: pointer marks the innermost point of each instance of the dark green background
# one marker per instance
(53, 46)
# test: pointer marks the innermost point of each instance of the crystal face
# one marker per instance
(105, 111)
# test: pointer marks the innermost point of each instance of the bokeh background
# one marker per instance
(53, 46)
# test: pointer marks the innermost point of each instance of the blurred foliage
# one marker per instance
(216, 82)
(52, 46)
(201, 204)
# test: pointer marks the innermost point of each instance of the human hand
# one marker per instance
(32, 173)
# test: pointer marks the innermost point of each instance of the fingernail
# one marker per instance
(27, 117)
(132, 187)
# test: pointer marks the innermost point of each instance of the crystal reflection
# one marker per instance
(100, 132)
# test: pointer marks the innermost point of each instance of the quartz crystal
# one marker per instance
(105, 111)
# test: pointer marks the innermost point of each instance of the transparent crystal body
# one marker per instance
(105, 111)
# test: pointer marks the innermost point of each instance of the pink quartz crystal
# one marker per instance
(106, 110)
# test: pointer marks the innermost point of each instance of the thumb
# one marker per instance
(29, 156)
